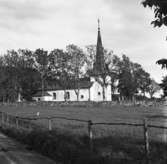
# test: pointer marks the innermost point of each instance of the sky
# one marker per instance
(125, 28)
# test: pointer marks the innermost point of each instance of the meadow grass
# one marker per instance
(124, 141)
(96, 113)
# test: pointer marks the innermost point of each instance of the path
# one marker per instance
(12, 152)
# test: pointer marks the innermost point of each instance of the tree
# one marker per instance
(90, 57)
(160, 14)
(126, 83)
(132, 79)
(163, 85)
(29, 76)
(13, 72)
(77, 61)
(112, 63)
(160, 11)
(42, 61)
(18, 79)
(59, 67)
(153, 88)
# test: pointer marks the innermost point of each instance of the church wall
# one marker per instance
(83, 95)
(96, 92)
(44, 98)
(108, 93)
(59, 95)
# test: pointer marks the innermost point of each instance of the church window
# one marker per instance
(67, 95)
(99, 93)
(54, 95)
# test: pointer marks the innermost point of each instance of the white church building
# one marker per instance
(89, 88)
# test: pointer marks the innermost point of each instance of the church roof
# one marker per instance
(39, 94)
(83, 83)
(99, 66)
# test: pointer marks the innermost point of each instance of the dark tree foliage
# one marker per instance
(160, 14)
(24, 72)
(163, 85)
(160, 11)
(162, 62)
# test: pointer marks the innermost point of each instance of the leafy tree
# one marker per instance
(132, 79)
(90, 57)
(153, 88)
(126, 85)
(160, 14)
(77, 61)
(163, 85)
(29, 76)
(59, 68)
(141, 78)
(42, 61)
(113, 68)
(13, 72)
(18, 76)
(160, 11)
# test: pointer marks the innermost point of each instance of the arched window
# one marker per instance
(67, 95)
(54, 95)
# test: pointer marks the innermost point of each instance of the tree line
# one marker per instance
(24, 72)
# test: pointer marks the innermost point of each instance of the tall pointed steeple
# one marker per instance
(99, 67)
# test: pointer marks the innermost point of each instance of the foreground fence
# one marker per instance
(29, 124)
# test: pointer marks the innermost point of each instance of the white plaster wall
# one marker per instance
(47, 98)
(85, 93)
(73, 96)
(36, 98)
(59, 95)
(108, 93)
(96, 87)
(44, 98)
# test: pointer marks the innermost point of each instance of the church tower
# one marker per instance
(99, 66)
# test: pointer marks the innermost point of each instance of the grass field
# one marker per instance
(100, 113)
(108, 139)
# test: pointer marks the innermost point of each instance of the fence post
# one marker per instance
(50, 124)
(146, 141)
(90, 134)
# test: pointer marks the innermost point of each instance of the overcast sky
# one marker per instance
(48, 24)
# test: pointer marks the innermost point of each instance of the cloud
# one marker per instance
(18, 15)
(125, 27)
(23, 9)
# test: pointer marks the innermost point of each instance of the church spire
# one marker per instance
(99, 62)
(98, 24)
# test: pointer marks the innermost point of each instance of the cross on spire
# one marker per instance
(98, 24)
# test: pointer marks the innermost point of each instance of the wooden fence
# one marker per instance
(25, 123)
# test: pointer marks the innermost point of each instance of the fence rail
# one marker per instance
(25, 123)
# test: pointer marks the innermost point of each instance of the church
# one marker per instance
(90, 89)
